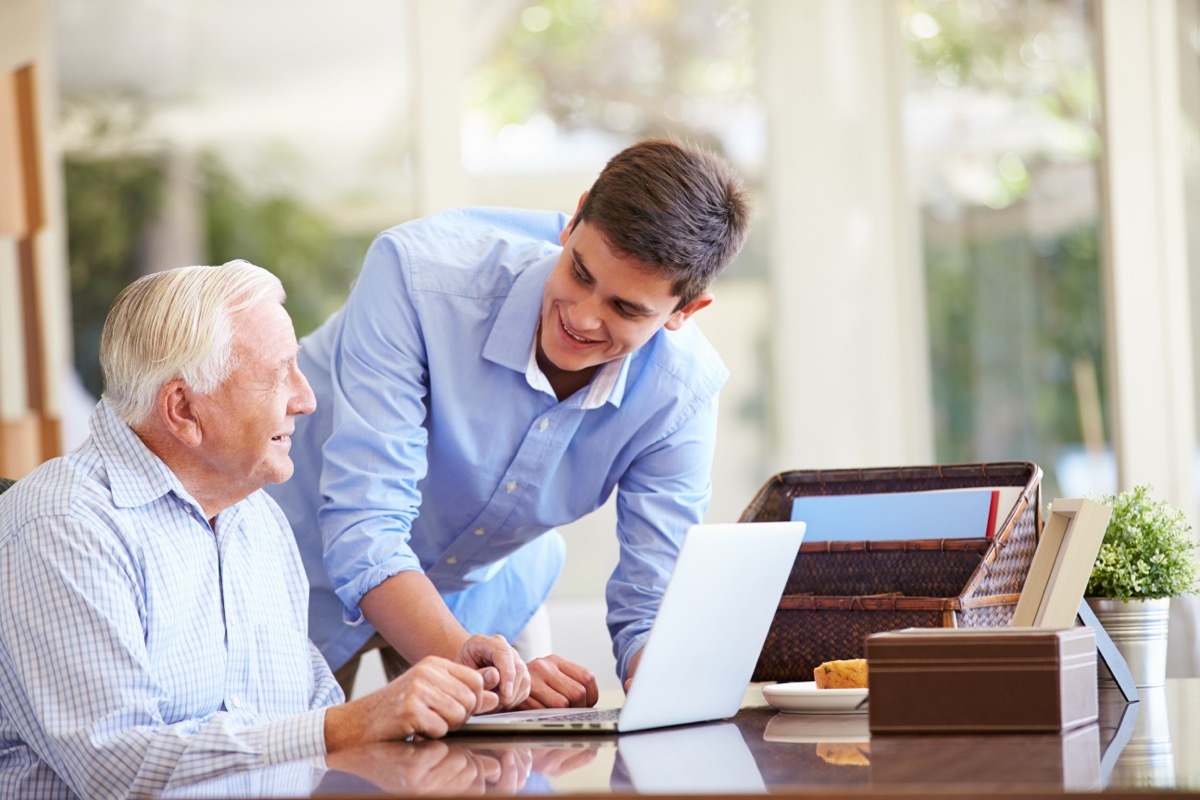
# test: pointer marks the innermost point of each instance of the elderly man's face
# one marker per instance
(247, 423)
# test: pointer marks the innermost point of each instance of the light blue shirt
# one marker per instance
(138, 648)
(445, 450)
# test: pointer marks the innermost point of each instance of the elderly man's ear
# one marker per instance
(178, 413)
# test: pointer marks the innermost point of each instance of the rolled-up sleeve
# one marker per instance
(665, 491)
(375, 455)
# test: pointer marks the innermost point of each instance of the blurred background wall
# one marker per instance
(974, 236)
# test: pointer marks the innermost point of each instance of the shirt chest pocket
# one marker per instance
(281, 674)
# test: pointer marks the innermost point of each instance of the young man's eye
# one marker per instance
(626, 312)
(579, 274)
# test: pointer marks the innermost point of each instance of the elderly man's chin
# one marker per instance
(285, 471)
(278, 468)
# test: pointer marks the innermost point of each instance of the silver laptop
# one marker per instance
(705, 640)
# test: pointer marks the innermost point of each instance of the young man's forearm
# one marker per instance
(410, 614)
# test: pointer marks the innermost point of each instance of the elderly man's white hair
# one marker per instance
(173, 325)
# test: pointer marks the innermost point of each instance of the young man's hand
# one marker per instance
(559, 683)
(432, 698)
(502, 667)
(633, 665)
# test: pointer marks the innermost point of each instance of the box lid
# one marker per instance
(984, 644)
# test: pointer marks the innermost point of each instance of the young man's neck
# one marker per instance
(565, 383)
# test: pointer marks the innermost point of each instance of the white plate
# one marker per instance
(806, 698)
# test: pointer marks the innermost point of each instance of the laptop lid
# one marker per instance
(705, 640)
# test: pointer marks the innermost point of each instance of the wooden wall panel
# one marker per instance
(29, 432)
(12, 169)
(25, 89)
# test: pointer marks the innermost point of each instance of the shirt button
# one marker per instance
(451, 560)
(510, 487)
(543, 425)
(235, 702)
(480, 531)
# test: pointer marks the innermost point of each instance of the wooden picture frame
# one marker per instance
(1062, 564)
(1053, 593)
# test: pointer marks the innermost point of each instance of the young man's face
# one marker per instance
(248, 421)
(598, 306)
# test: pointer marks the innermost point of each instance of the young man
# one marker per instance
(497, 373)
(153, 607)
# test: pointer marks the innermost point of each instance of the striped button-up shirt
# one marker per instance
(139, 647)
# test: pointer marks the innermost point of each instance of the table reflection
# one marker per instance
(695, 759)
(1149, 744)
(421, 768)
(431, 768)
(1147, 757)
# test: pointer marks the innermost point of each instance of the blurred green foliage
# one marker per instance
(1011, 245)
(316, 262)
(1147, 552)
(1011, 309)
(1008, 319)
(110, 202)
(113, 203)
(632, 67)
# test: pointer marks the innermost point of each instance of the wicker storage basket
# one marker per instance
(839, 592)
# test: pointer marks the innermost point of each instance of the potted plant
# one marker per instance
(1147, 556)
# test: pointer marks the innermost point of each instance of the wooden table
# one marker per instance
(1150, 745)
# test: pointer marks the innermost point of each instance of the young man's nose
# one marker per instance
(586, 314)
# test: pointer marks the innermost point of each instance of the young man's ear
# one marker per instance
(178, 413)
(566, 232)
(676, 320)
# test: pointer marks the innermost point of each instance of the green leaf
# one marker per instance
(1147, 551)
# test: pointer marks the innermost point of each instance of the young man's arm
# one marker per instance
(433, 630)
(665, 491)
(374, 460)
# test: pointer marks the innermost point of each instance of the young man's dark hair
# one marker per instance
(673, 206)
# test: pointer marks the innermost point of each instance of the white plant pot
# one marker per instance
(1139, 630)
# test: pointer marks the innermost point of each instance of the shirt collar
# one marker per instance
(601, 389)
(511, 342)
(512, 333)
(135, 475)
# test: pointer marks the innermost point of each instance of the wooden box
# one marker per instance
(975, 680)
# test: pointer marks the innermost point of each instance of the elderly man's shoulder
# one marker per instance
(65, 486)
(84, 497)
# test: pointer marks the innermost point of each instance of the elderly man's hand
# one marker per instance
(510, 678)
(559, 683)
(434, 697)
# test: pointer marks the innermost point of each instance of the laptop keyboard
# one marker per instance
(603, 715)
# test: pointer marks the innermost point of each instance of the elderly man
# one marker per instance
(153, 605)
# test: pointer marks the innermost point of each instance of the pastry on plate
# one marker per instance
(846, 674)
